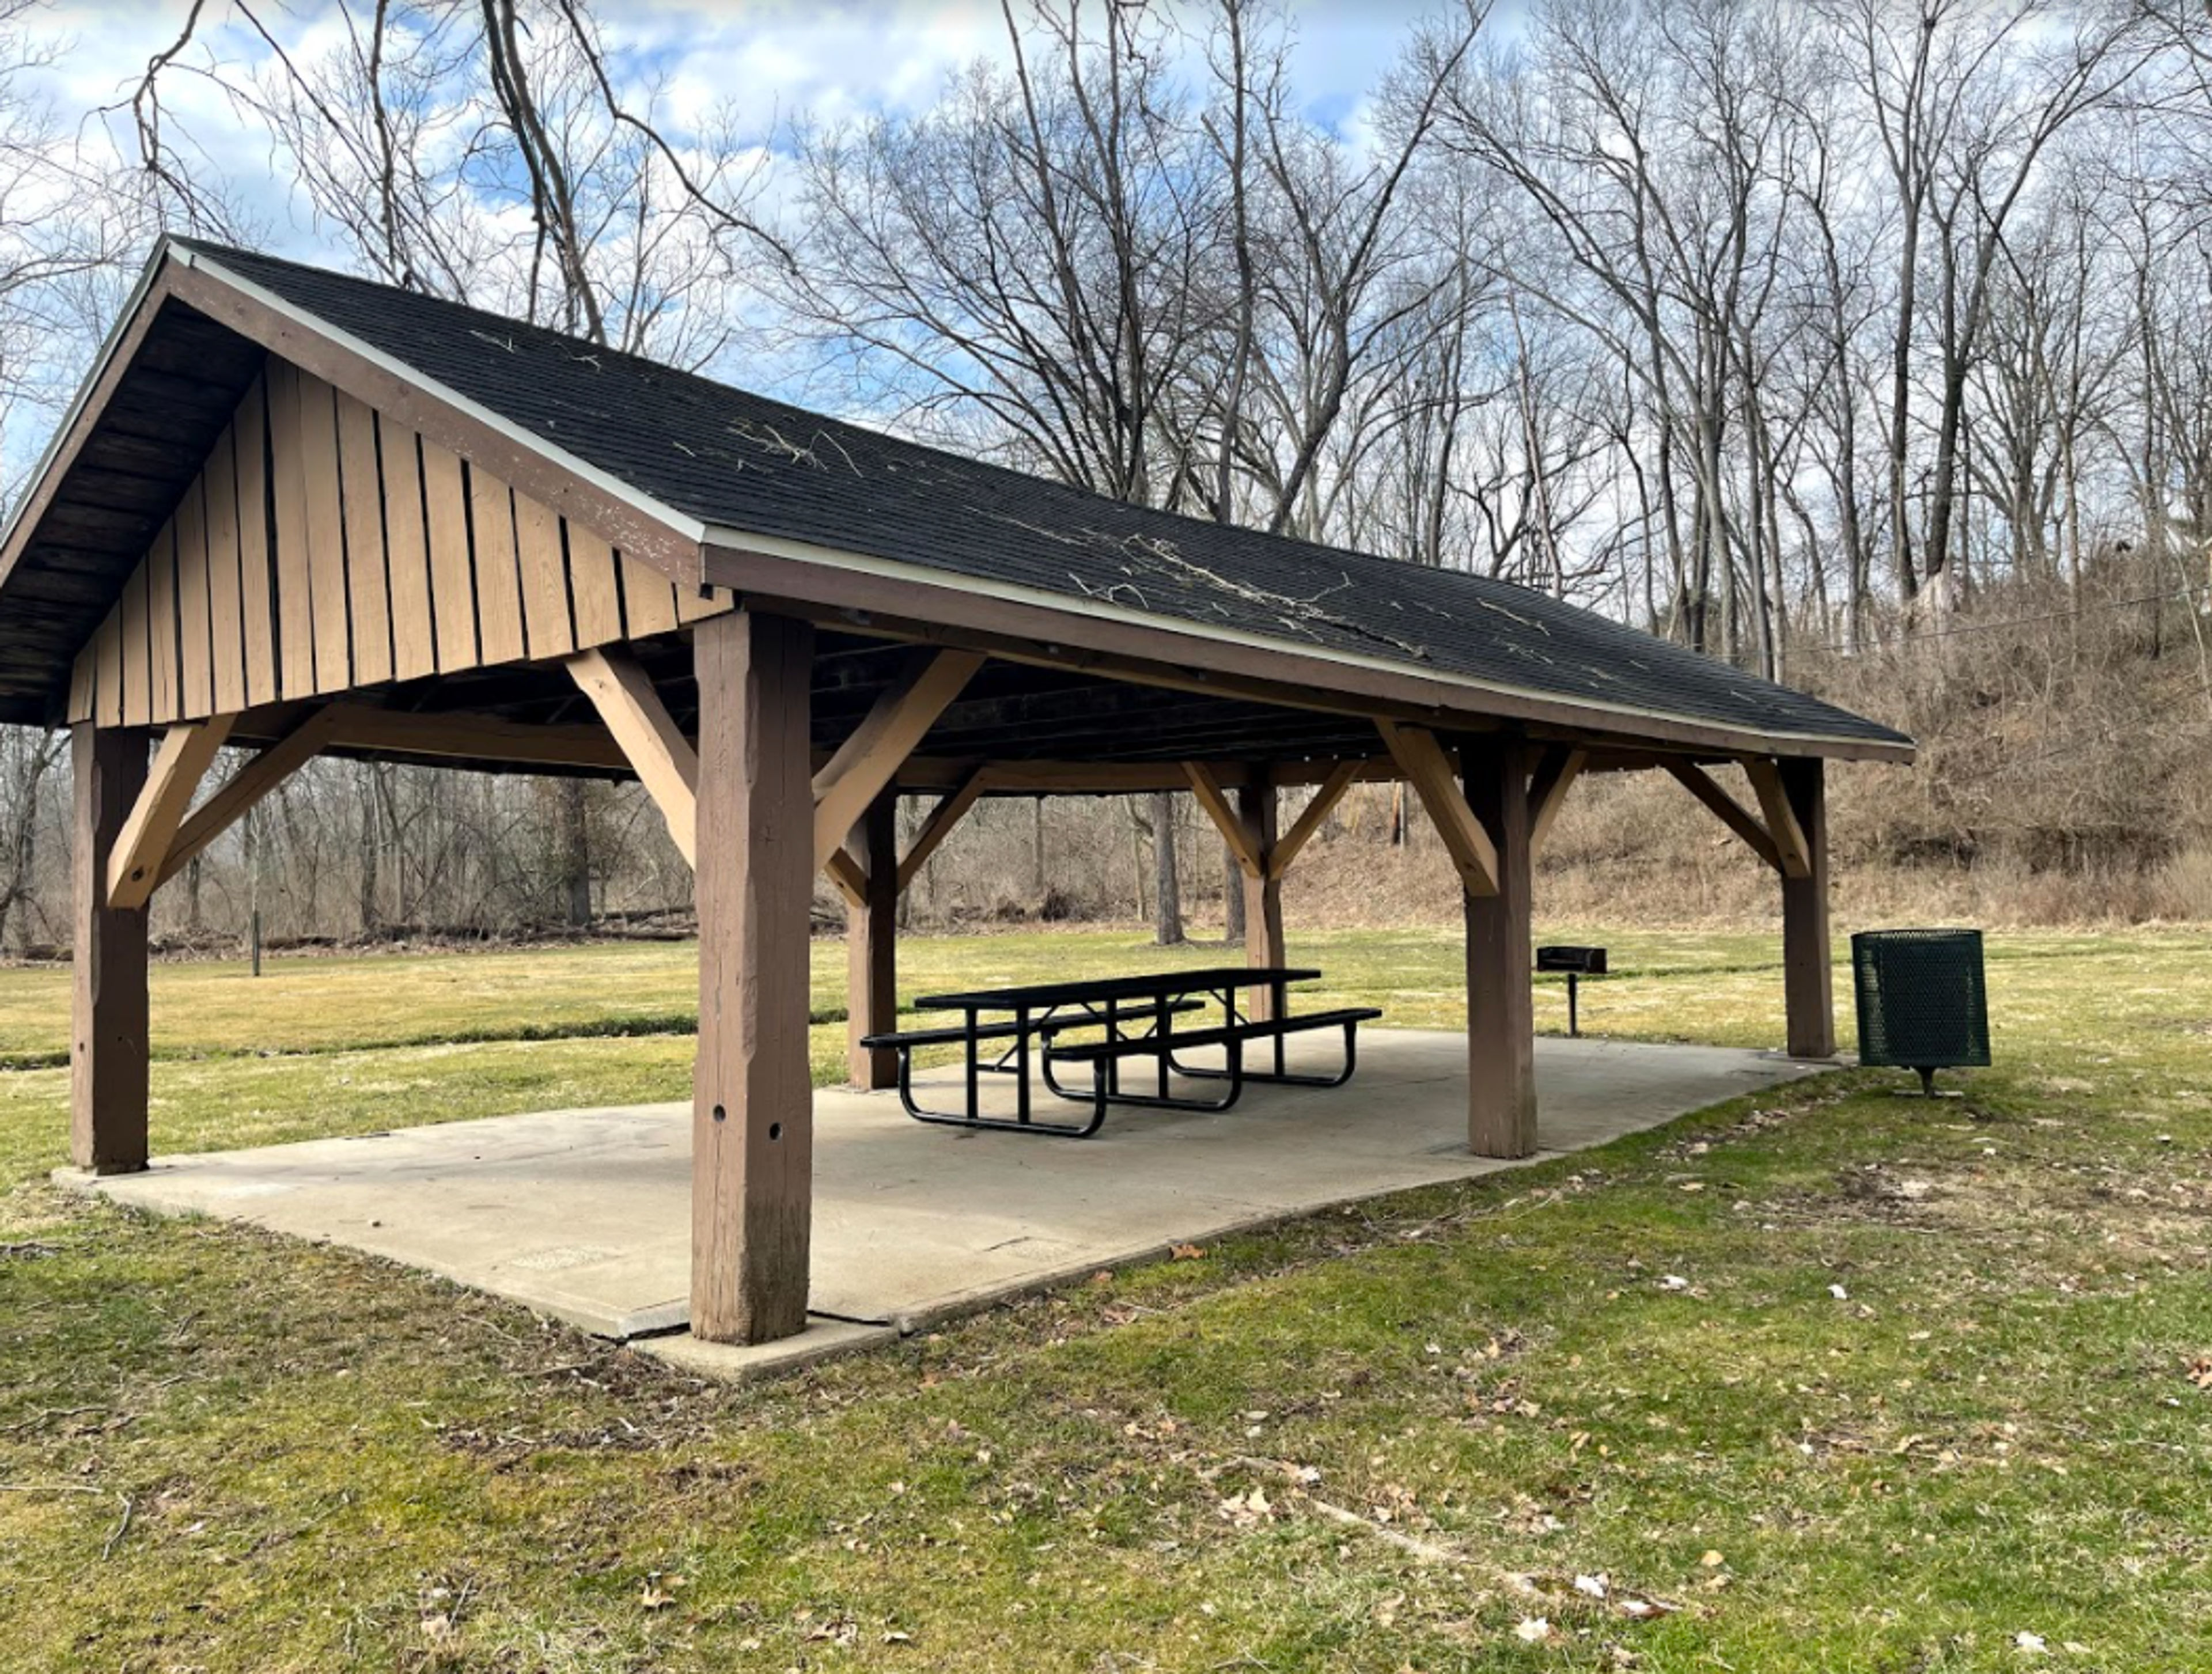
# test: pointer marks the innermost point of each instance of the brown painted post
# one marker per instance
(872, 947)
(1256, 805)
(1806, 981)
(752, 1139)
(1501, 1017)
(107, 1055)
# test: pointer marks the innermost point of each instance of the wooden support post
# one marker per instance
(1422, 760)
(1806, 981)
(1792, 851)
(108, 1044)
(752, 1141)
(871, 946)
(1263, 893)
(1501, 1018)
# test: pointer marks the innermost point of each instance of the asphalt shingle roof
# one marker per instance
(740, 461)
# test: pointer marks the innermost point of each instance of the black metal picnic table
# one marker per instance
(1041, 1012)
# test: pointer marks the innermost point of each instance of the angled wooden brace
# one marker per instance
(866, 763)
(1795, 853)
(948, 813)
(1426, 768)
(1325, 799)
(254, 780)
(666, 762)
(188, 750)
(1730, 813)
(1555, 775)
(1227, 821)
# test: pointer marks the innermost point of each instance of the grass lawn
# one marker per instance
(1829, 1380)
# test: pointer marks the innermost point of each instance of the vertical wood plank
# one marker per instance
(326, 565)
(226, 612)
(872, 947)
(162, 625)
(108, 1038)
(294, 582)
(549, 630)
(137, 670)
(1258, 806)
(108, 678)
(256, 592)
(499, 589)
(452, 581)
(1501, 1020)
(414, 632)
(195, 637)
(368, 590)
(83, 682)
(593, 587)
(1807, 980)
(648, 600)
(753, 1124)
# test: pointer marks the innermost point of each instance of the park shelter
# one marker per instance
(296, 513)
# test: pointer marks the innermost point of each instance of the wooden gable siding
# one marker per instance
(324, 547)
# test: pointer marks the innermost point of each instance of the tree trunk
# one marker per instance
(575, 853)
(1166, 887)
(1232, 897)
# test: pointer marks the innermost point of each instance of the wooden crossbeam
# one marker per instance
(188, 750)
(254, 780)
(1226, 819)
(666, 763)
(1730, 813)
(1795, 854)
(849, 876)
(869, 760)
(1555, 775)
(1325, 800)
(1422, 760)
(948, 813)
(475, 738)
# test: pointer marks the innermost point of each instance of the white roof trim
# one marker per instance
(1014, 593)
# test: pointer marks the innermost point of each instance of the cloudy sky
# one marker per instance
(779, 58)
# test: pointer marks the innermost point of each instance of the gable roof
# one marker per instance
(714, 466)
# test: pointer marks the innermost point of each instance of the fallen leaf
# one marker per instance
(1712, 1561)
(1187, 1253)
(1533, 1630)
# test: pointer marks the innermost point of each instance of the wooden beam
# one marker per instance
(1250, 860)
(667, 763)
(1501, 1027)
(752, 1138)
(188, 749)
(1422, 760)
(872, 947)
(1700, 784)
(107, 1040)
(254, 779)
(1795, 853)
(868, 761)
(1561, 766)
(948, 813)
(849, 875)
(1807, 980)
(477, 738)
(1309, 822)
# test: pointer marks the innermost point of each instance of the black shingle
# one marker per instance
(743, 462)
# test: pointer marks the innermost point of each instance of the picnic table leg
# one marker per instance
(1021, 1065)
(974, 1067)
(1160, 1034)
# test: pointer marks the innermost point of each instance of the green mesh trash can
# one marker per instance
(1922, 1002)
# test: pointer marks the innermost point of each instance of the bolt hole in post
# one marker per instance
(776, 1130)
(720, 1113)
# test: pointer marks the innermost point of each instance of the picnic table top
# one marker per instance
(1151, 985)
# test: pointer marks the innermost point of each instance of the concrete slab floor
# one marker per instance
(586, 1214)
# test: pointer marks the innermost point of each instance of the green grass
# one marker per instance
(1384, 1439)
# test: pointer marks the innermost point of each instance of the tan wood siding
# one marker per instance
(257, 591)
(324, 547)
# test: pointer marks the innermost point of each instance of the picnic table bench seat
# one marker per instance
(1104, 1054)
